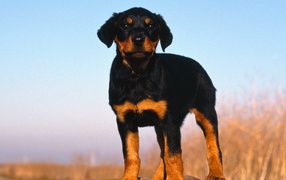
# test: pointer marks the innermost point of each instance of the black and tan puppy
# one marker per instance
(150, 89)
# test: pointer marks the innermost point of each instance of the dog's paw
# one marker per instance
(156, 178)
(124, 178)
(214, 178)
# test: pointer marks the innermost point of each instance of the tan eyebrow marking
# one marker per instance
(147, 20)
(129, 20)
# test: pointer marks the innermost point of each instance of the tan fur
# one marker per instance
(129, 20)
(124, 46)
(159, 107)
(149, 45)
(147, 21)
(215, 165)
(132, 161)
(159, 174)
(122, 110)
(173, 163)
(127, 46)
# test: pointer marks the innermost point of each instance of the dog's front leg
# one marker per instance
(160, 173)
(130, 146)
(172, 152)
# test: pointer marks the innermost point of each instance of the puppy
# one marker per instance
(151, 89)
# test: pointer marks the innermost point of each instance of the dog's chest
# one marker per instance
(139, 99)
(145, 112)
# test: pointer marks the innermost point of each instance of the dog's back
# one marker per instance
(187, 81)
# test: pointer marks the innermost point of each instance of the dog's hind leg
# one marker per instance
(171, 164)
(208, 123)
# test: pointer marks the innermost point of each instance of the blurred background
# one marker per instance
(54, 75)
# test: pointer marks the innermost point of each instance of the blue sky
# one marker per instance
(54, 70)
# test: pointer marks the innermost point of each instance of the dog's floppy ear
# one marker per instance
(107, 31)
(165, 34)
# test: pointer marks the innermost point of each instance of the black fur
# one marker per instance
(177, 80)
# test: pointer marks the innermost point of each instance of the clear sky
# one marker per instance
(54, 70)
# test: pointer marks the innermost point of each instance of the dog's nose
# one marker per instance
(138, 39)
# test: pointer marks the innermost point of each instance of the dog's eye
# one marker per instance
(126, 25)
(150, 26)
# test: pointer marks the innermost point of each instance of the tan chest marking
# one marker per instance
(159, 107)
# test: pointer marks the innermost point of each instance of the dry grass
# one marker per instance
(46, 171)
(254, 138)
(253, 141)
(49, 171)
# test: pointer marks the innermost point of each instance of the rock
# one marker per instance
(185, 178)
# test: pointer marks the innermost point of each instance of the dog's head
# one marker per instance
(136, 32)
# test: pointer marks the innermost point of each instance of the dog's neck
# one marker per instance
(138, 66)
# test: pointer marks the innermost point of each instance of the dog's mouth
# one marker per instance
(138, 60)
(138, 54)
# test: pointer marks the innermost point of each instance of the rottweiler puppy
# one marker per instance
(151, 89)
